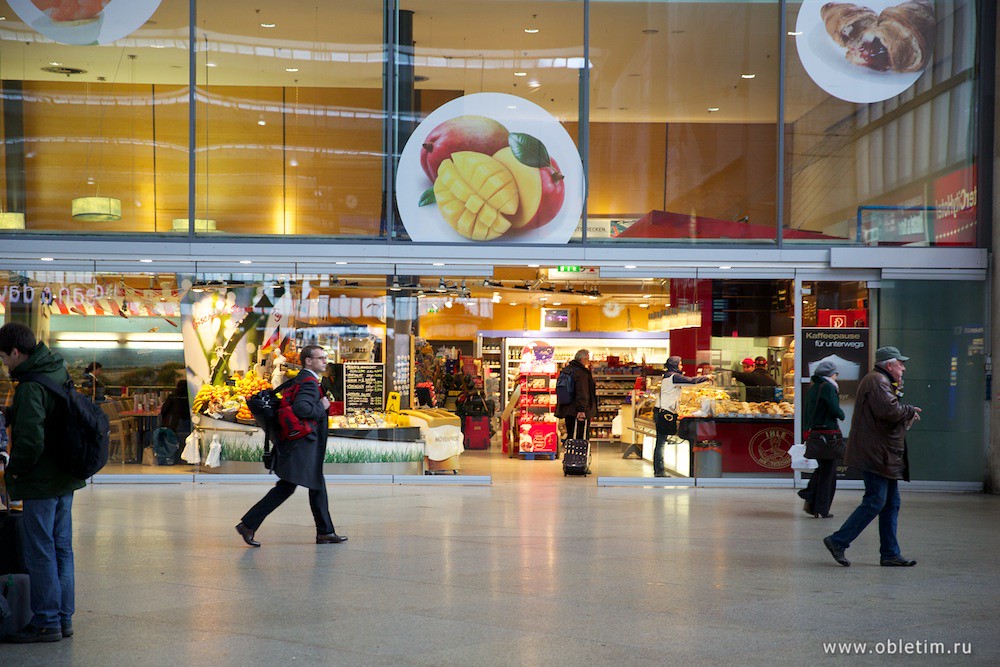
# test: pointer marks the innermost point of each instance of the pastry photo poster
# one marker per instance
(867, 51)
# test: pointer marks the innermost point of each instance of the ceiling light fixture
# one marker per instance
(200, 225)
(534, 83)
(712, 109)
(520, 74)
(748, 76)
(442, 287)
(246, 261)
(146, 261)
(438, 264)
(448, 303)
(210, 65)
(531, 31)
(97, 209)
(395, 287)
(793, 33)
(291, 69)
(340, 263)
(630, 266)
(267, 25)
(47, 259)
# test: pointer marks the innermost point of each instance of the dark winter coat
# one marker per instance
(584, 393)
(758, 383)
(301, 461)
(877, 442)
(34, 471)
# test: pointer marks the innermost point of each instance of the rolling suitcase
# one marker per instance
(576, 452)
(477, 432)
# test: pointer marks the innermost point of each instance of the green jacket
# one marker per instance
(822, 406)
(33, 471)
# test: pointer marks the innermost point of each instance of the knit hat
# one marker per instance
(673, 364)
(888, 353)
(825, 369)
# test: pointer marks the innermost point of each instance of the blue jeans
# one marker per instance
(48, 554)
(881, 500)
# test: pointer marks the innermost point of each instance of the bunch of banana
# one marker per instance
(209, 394)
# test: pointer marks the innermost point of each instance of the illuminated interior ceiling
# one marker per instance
(649, 59)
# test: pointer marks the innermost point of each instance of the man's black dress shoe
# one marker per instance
(246, 534)
(330, 538)
(897, 561)
(31, 634)
(837, 552)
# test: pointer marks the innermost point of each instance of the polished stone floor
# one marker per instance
(535, 570)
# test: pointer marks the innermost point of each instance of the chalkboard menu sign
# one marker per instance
(364, 387)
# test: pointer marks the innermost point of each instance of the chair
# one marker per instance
(119, 436)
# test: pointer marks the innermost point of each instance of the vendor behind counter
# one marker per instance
(760, 386)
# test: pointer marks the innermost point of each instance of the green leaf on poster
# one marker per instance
(528, 150)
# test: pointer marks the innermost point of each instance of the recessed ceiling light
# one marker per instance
(534, 83)
(630, 266)
(262, 122)
(209, 64)
(55, 64)
(157, 46)
(748, 76)
(531, 31)
(794, 34)
(511, 106)
(650, 31)
(438, 264)
(520, 74)
(246, 261)
(47, 259)
(146, 261)
(291, 69)
(725, 268)
(644, 305)
(712, 109)
(532, 266)
(267, 25)
(341, 263)
(647, 296)
(513, 303)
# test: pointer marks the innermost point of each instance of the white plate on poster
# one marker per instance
(118, 19)
(825, 62)
(425, 224)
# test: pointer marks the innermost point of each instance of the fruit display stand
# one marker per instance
(537, 427)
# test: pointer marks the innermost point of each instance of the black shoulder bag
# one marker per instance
(823, 443)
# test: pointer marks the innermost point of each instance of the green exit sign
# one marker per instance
(570, 269)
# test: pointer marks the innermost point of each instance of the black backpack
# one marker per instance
(566, 386)
(264, 407)
(86, 432)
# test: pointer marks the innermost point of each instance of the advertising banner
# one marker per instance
(865, 52)
(490, 167)
(85, 22)
(955, 208)
(848, 350)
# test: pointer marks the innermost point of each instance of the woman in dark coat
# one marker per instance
(822, 410)
(175, 414)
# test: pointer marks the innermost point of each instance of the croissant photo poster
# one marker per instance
(490, 167)
(868, 50)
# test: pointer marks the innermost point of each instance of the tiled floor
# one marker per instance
(541, 570)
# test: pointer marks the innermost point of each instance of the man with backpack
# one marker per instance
(299, 454)
(36, 475)
(576, 394)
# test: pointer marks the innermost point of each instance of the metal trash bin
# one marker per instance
(707, 459)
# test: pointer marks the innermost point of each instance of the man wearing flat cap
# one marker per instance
(877, 447)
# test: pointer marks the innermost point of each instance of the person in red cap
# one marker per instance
(759, 383)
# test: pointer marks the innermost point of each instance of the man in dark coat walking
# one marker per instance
(300, 462)
(877, 447)
(584, 404)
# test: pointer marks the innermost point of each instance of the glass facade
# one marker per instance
(732, 122)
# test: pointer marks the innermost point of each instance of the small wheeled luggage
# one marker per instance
(15, 603)
(477, 432)
(576, 452)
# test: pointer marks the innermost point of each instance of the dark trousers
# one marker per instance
(282, 491)
(575, 432)
(664, 428)
(822, 486)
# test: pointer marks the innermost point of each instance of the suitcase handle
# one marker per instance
(576, 428)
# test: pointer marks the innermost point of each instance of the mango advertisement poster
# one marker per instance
(490, 167)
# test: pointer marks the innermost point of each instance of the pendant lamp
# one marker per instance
(97, 209)
(11, 220)
(200, 225)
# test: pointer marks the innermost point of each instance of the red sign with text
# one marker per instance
(842, 319)
(955, 208)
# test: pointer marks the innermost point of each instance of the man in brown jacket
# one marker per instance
(877, 447)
